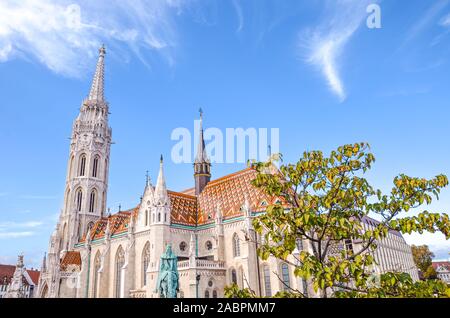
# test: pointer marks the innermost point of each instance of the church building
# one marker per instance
(92, 254)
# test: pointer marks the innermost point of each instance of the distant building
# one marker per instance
(18, 282)
(443, 271)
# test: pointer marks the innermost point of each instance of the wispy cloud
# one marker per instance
(240, 15)
(64, 35)
(37, 197)
(435, 241)
(11, 229)
(446, 21)
(323, 45)
(8, 235)
(26, 224)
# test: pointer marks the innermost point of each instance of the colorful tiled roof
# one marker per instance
(34, 275)
(229, 192)
(70, 258)
(7, 272)
(437, 265)
(183, 208)
(118, 223)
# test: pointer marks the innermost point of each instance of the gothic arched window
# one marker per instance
(267, 285)
(95, 166)
(285, 277)
(145, 262)
(206, 293)
(82, 165)
(92, 200)
(79, 198)
(120, 261)
(233, 276)
(97, 263)
(146, 217)
(159, 217)
(236, 247)
(214, 293)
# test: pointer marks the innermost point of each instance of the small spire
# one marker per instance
(147, 178)
(201, 151)
(161, 196)
(98, 83)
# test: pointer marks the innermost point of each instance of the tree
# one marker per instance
(327, 199)
(423, 259)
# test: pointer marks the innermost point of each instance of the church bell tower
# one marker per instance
(88, 166)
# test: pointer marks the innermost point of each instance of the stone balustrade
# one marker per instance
(138, 293)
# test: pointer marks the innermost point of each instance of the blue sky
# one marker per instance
(310, 68)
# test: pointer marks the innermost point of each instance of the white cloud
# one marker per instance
(446, 21)
(7, 235)
(38, 197)
(323, 45)
(435, 241)
(26, 224)
(64, 35)
(238, 8)
(11, 229)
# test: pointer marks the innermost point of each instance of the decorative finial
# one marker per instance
(161, 159)
(200, 110)
(102, 50)
(120, 207)
(147, 177)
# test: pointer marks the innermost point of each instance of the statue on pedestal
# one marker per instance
(167, 285)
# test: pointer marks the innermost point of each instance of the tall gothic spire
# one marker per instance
(97, 88)
(202, 165)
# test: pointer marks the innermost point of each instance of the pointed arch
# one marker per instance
(97, 265)
(44, 292)
(93, 201)
(236, 245)
(286, 280)
(79, 199)
(95, 166)
(145, 262)
(118, 277)
(82, 165)
(233, 276)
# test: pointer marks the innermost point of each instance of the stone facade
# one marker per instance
(209, 227)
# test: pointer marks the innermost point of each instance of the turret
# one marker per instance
(161, 204)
